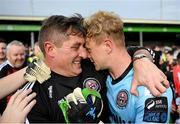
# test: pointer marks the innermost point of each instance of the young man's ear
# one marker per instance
(108, 45)
(49, 48)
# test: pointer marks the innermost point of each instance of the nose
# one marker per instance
(83, 53)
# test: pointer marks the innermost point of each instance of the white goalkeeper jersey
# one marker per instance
(127, 108)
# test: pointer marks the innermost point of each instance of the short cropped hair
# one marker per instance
(57, 28)
(14, 42)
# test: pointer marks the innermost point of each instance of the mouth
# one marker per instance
(78, 63)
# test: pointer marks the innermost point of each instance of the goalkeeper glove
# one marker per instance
(82, 106)
(37, 70)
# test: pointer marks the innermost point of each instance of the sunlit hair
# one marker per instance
(58, 28)
(104, 23)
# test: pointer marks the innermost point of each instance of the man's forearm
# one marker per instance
(12, 82)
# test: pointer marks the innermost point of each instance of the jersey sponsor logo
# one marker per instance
(122, 99)
(156, 110)
(150, 104)
(92, 83)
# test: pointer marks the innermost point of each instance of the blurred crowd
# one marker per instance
(168, 60)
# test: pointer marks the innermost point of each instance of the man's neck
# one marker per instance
(119, 63)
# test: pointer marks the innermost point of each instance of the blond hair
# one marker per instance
(104, 23)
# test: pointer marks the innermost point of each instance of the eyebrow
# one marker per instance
(76, 44)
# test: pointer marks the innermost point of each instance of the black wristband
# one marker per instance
(139, 56)
(133, 49)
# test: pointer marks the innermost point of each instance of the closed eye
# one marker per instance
(76, 46)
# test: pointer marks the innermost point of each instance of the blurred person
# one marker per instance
(61, 40)
(175, 77)
(163, 55)
(170, 61)
(169, 64)
(2, 50)
(37, 50)
(36, 54)
(158, 54)
(105, 36)
(15, 61)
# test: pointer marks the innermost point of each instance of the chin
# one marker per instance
(18, 66)
(97, 69)
(78, 72)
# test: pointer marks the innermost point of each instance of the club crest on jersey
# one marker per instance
(122, 99)
(92, 83)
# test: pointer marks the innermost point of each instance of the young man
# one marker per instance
(105, 36)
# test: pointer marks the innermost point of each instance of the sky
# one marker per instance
(128, 9)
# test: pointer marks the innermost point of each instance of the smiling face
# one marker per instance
(2, 50)
(68, 56)
(16, 55)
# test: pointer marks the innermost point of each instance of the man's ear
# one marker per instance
(108, 45)
(49, 48)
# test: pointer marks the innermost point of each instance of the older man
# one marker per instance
(15, 61)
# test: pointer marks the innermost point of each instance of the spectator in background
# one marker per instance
(2, 50)
(15, 61)
(176, 83)
(36, 53)
(170, 63)
(158, 54)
